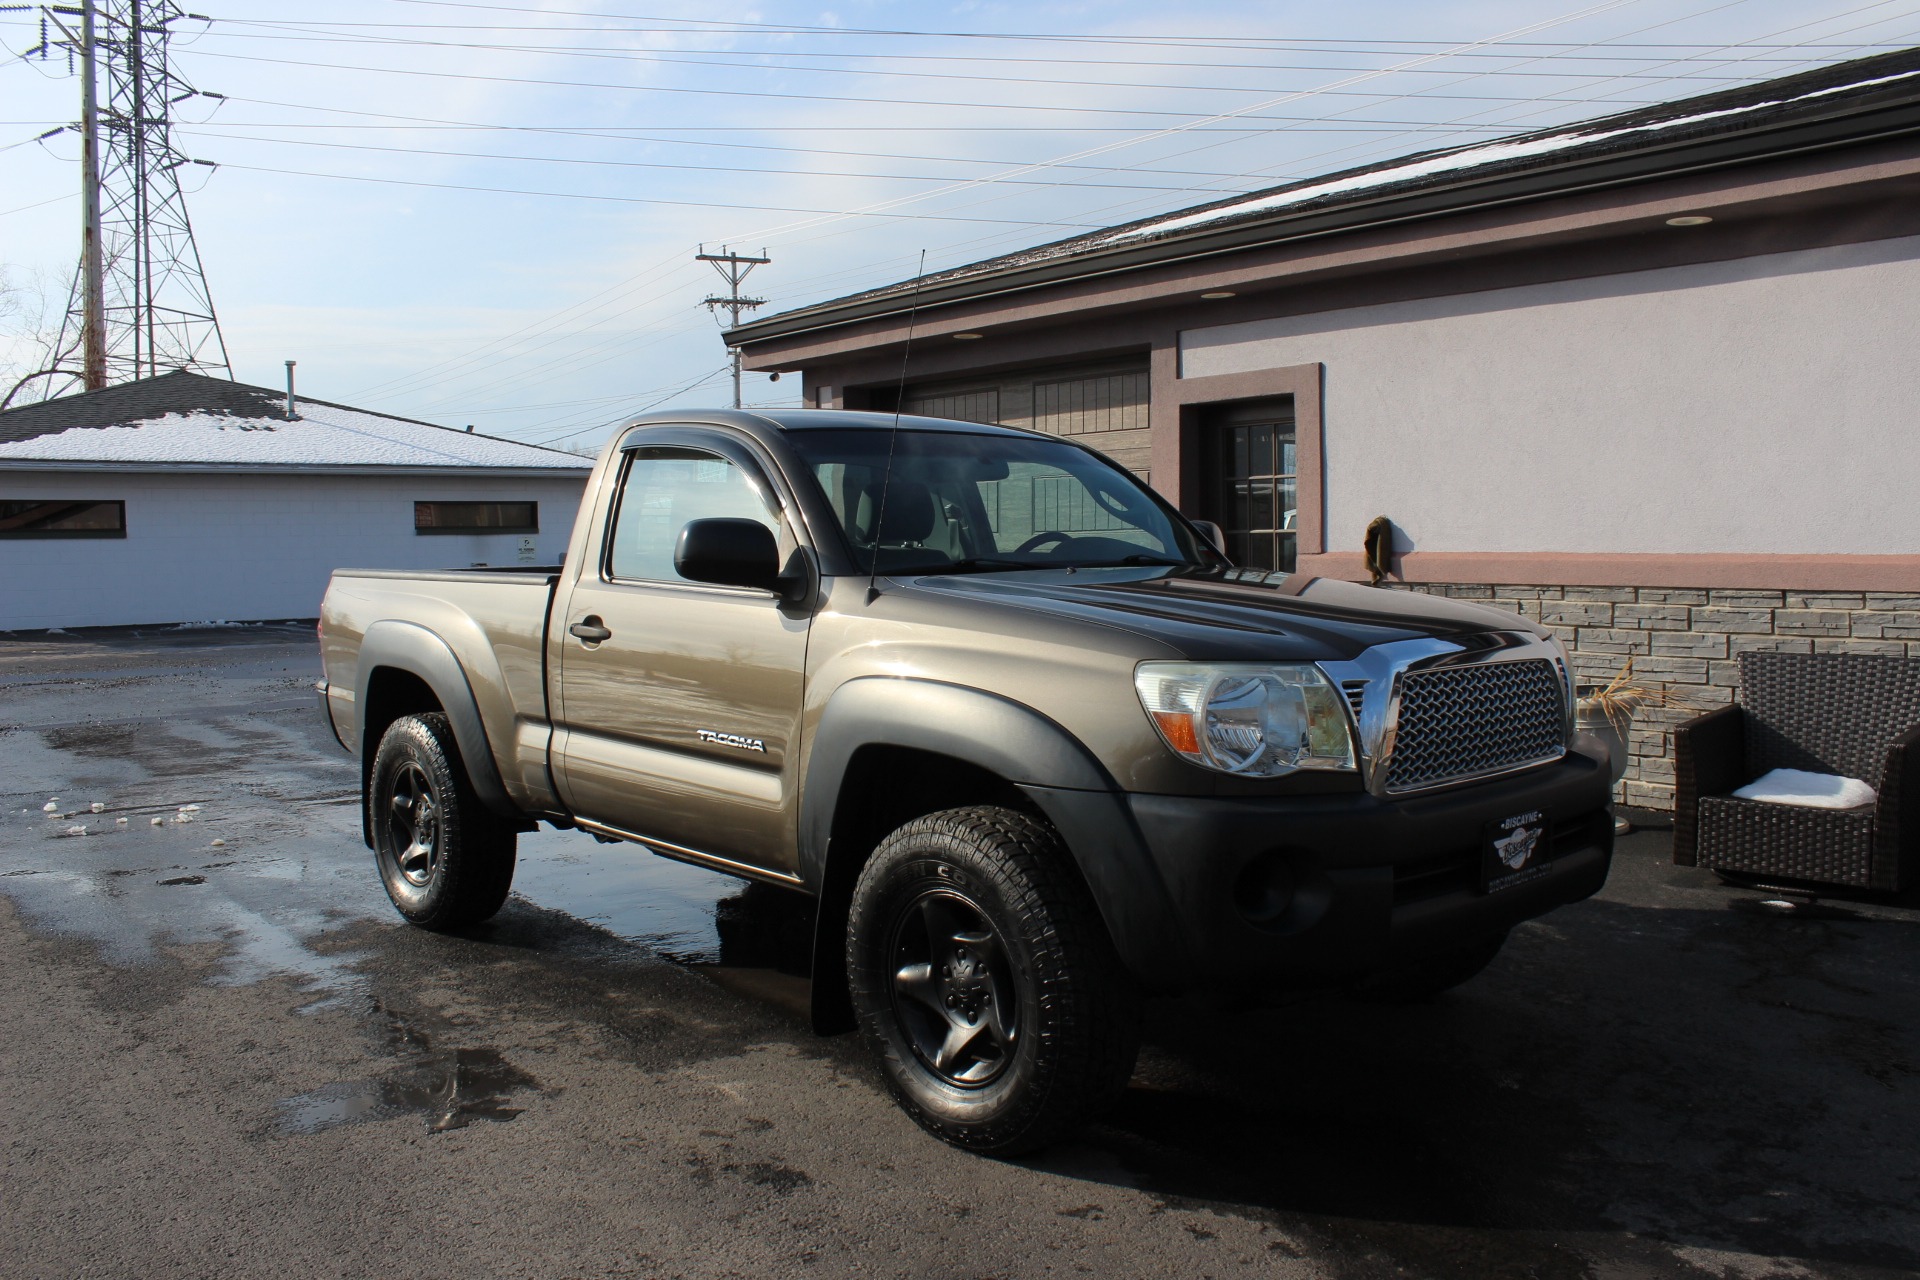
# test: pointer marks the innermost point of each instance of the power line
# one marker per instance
(702, 380)
(735, 63)
(641, 164)
(944, 104)
(1244, 112)
(417, 378)
(617, 133)
(1385, 71)
(327, 31)
(715, 26)
(685, 204)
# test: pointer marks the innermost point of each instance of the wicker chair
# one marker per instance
(1849, 714)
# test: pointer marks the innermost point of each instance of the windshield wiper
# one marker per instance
(972, 564)
(1138, 558)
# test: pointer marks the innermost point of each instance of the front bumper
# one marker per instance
(1306, 890)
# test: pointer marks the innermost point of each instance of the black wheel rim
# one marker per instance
(953, 990)
(413, 825)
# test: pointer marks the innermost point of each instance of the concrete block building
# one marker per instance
(1650, 378)
(183, 498)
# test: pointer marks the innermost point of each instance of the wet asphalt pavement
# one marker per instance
(222, 1053)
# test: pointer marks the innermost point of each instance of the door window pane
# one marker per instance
(1253, 489)
(666, 488)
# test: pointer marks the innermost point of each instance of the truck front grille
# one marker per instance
(1469, 721)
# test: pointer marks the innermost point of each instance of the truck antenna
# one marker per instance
(893, 437)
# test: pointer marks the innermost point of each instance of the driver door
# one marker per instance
(680, 725)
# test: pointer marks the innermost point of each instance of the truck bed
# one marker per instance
(493, 621)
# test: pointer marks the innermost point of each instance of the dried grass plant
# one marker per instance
(1621, 696)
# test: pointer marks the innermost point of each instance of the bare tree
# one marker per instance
(33, 303)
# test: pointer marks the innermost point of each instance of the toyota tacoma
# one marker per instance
(1033, 746)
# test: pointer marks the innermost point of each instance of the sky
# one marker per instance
(487, 213)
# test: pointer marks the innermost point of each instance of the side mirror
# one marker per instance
(1212, 532)
(729, 552)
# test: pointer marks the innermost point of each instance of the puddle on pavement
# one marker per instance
(449, 1091)
(273, 889)
(274, 790)
(684, 913)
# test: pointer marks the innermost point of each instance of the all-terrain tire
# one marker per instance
(956, 916)
(446, 859)
(1422, 981)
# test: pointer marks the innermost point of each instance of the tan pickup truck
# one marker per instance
(1035, 748)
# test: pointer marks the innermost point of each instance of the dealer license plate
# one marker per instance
(1516, 851)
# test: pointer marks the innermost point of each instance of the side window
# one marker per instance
(666, 487)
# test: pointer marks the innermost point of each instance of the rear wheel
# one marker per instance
(445, 858)
(985, 982)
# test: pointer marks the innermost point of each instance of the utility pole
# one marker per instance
(93, 330)
(733, 268)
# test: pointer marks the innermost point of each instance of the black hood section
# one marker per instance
(1235, 615)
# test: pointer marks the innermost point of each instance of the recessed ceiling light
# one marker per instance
(1690, 220)
(1220, 293)
(967, 337)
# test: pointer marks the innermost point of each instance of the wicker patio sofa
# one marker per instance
(1850, 714)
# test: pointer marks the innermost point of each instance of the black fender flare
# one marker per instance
(412, 648)
(1014, 742)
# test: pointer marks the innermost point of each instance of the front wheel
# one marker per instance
(446, 860)
(985, 982)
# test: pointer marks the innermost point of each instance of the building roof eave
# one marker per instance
(1466, 193)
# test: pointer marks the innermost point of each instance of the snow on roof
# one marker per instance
(1474, 156)
(176, 420)
(1860, 85)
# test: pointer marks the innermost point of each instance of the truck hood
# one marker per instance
(1232, 615)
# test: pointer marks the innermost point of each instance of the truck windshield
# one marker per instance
(966, 502)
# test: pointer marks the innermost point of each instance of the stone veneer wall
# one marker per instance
(1687, 639)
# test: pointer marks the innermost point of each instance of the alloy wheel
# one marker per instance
(953, 989)
(413, 825)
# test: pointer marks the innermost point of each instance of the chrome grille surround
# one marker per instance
(1472, 721)
(1531, 707)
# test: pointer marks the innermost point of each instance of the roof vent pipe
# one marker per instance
(290, 365)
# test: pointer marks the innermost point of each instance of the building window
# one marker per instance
(62, 518)
(476, 517)
(1252, 491)
(982, 405)
(1091, 406)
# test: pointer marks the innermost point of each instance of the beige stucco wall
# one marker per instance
(1764, 405)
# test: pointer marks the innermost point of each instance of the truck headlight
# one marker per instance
(1253, 719)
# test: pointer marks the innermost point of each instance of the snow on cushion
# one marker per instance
(1814, 790)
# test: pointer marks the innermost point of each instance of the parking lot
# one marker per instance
(225, 1054)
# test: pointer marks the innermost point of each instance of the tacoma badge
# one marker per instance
(731, 740)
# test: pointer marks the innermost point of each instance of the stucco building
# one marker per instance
(1651, 378)
(183, 498)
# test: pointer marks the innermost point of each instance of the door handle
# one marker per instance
(589, 629)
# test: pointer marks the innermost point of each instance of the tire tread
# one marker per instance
(478, 854)
(1094, 1006)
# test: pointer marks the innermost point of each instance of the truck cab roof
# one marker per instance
(821, 420)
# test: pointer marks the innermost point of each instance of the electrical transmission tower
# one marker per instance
(733, 268)
(140, 304)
